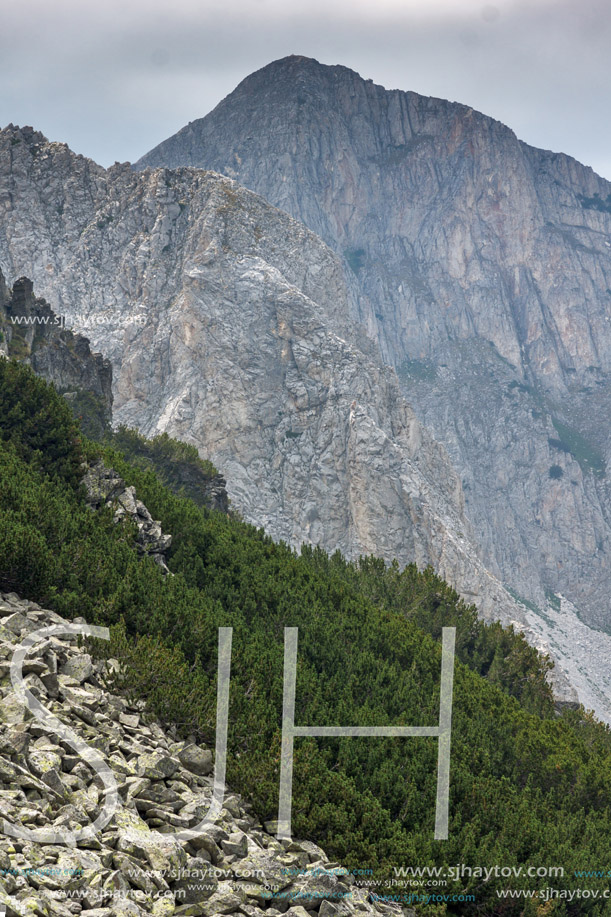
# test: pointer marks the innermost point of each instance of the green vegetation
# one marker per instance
(527, 788)
(18, 347)
(596, 202)
(526, 602)
(90, 411)
(419, 370)
(38, 424)
(556, 472)
(176, 464)
(355, 258)
(570, 440)
(553, 599)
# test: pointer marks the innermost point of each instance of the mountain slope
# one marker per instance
(527, 787)
(228, 326)
(482, 268)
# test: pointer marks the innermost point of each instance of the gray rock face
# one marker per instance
(105, 487)
(135, 865)
(197, 760)
(31, 332)
(482, 267)
(230, 326)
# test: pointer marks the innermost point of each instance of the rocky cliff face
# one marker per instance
(482, 268)
(229, 326)
(57, 784)
(31, 332)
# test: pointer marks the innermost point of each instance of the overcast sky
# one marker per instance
(113, 78)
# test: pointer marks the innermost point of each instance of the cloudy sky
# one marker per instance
(114, 78)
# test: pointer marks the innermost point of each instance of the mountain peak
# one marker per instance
(294, 63)
(27, 134)
(296, 73)
(301, 96)
(451, 232)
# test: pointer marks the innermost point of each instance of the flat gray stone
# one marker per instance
(197, 760)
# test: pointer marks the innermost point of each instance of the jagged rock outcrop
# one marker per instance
(32, 333)
(105, 487)
(482, 267)
(134, 865)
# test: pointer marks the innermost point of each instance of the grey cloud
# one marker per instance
(113, 81)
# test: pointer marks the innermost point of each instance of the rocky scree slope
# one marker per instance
(228, 325)
(134, 865)
(482, 268)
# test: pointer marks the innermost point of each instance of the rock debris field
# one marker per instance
(134, 864)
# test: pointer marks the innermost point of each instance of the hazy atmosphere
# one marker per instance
(114, 79)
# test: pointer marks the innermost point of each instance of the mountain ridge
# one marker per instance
(309, 428)
(32, 333)
(157, 156)
(454, 235)
(157, 269)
